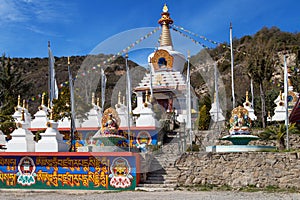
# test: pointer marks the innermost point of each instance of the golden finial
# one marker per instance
(23, 115)
(68, 60)
(24, 103)
(98, 102)
(165, 21)
(119, 97)
(48, 103)
(165, 8)
(51, 114)
(19, 100)
(27, 105)
(247, 96)
(93, 98)
(280, 95)
(43, 99)
(189, 54)
(269, 114)
(289, 82)
(123, 100)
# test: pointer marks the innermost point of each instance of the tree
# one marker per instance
(11, 85)
(278, 133)
(261, 60)
(62, 106)
(204, 118)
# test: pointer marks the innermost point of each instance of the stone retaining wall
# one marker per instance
(259, 169)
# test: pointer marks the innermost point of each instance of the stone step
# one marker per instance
(154, 189)
(160, 181)
(169, 185)
(162, 176)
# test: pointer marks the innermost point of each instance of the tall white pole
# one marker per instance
(73, 125)
(151, 83)
(252, 93)
(189, 117)
(103, 86)
(128, 100)
(232, 77)
(286, 85)
(217, 91)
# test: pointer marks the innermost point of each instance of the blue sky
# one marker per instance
(76, 27)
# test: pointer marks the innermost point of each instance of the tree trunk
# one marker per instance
(263, 105)
(281, 144)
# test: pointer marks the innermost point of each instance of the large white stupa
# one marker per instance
(165, 83)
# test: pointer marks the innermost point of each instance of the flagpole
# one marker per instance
(217, 91)
(252, 93)
(189, 125)
(128, 100)
(151, 83)
(50, 63)
(103, 86)
(232, 78)
(73, 127)
(286, 85)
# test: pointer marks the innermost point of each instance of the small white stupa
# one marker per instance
(94, 115)
(145, 112)
(280, 110)
(122, 111)
(22, 139)
(41, 119)
(18, 112)
(3, 141)
(292, 98)
(51, 140)
(216, 112)
(248, 105)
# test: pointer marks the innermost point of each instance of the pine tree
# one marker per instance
(11, 85)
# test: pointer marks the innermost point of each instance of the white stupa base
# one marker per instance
(280, 114)
(51, 145)
(52, 140)
(23, 142)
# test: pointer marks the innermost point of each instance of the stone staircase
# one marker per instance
(162, 174)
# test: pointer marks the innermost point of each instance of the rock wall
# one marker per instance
(259, 169)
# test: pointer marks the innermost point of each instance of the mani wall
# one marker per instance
(259, 169)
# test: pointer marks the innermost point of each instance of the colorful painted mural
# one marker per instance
(88, 171)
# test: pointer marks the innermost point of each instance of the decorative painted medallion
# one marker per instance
(26, 172)
(143, 137)
(120, 173)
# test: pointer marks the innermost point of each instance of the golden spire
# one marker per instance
(165, 21)
(247, 96)
(23, 115)
(19, 100)
(93, 98)
(24, 103)
(43, 99)
(51, 114)
(98, 102)
(280, 95)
